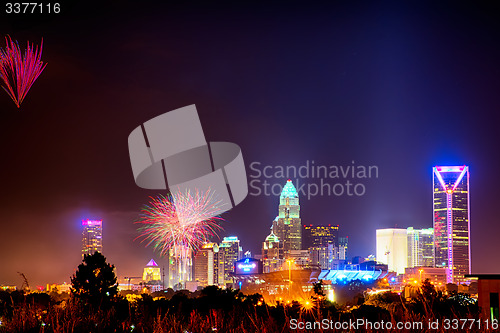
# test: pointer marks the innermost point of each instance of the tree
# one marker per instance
(318, 288)
(94, 282)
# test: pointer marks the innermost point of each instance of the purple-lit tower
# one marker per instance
(91, 237)
(452, 221)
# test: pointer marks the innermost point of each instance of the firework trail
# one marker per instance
(18, 72)
(180, 220)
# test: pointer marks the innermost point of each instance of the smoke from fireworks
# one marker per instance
(18, 72)
(186, 220)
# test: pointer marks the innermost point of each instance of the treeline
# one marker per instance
(95, 305)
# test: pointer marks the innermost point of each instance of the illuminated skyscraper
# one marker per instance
(232, 252)
(273, 257)
(420, 247)
(287, 225)
(219, 266)
(204, 265)
(321, 241)
(341, 250)
(91, 237)
(452, 221)
(392, 249)
(272, 247)
(180, 266)
(320, 235)
(151, 272)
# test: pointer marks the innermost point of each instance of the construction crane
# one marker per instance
(25, 284)
(130, 278)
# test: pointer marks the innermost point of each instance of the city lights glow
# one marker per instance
(331, 295)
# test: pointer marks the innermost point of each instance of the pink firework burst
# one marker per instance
(180, 220)
(18, 72)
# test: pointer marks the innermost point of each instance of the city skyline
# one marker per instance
(403, 87)
(397, 248)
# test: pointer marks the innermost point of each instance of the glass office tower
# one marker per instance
(452, 221)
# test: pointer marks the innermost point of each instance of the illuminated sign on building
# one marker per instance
(92, 223)
(248, 266)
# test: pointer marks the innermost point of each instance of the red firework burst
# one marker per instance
(19, 72)
(184, 219)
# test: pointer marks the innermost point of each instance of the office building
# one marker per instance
(180, 266)
(321, 241)
(341, 250)
(301, 258)
(219, 267)
(392, 249)
(320, 235)
(420, 247)
(416, 275)
(232, 252)
(91, 237)
(204, 265)
(273, 257)
(452, 221)
(151, 272)
(272, 247)
(321, 257)
(287, 225)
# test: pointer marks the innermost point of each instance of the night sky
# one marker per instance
(403, 86)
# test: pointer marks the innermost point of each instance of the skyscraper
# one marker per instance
(392, 249)
(180, 266)
(91, 237)
(320, 235)
(287, 225)
(452, 221)
(273, 257)
(219, 266)
(341, 251)
(231, 249)
(321, 241)
(420, 247)
(151, 272)
(272, 247)
(204, 265)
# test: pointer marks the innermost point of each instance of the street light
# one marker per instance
(289, 261)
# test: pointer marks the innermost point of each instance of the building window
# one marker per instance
(494, 305)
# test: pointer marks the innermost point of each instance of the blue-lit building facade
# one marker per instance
(452, 221)
(344, 276)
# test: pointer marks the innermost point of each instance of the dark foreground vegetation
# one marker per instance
(95, 306)
(219, 310)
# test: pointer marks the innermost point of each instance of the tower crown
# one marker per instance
(272, 238)
(152, 263)
(450, 176)
(289, 191)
